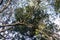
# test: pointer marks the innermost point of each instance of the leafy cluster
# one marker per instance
(32, 17)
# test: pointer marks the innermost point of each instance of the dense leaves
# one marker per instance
(33, 17)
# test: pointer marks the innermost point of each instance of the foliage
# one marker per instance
(33, 17)
(57, 4)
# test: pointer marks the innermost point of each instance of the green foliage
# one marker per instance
(24, 16)
(21, 28)
(57, 4)
(30, 15)
(18, 14)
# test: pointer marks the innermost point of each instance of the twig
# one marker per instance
(5, 29)
(53, 35)
(5, 6)
(13, 24)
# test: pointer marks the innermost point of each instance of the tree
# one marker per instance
(30, 19)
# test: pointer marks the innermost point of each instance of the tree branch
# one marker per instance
(5, 6)
(13, 24)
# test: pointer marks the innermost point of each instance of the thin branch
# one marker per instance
(5, 6)
(17, 23)
(5, 29)
(53, 35)
(13, 24)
